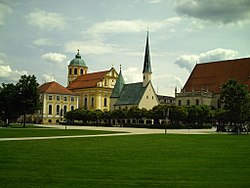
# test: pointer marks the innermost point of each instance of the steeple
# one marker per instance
(147, 71)
(118, 85)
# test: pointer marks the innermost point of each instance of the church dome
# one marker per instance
(77, 61)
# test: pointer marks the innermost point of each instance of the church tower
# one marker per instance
(147, 71)
(76, 68)
(117, 90)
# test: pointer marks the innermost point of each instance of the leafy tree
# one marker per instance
(235, 99)
(135, 112)
(198, 114)
(160, 112)
(19, 99)
(178, 114)
(28, 98)
(8, 99)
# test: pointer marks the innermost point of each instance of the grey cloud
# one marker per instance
(222, 11)
(4, 12)
(188, 61)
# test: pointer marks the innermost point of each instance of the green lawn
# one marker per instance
(128, 161)
(41, 132)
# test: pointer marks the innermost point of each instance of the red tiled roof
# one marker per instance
(210, 76)
(54, 88)
(88, 80)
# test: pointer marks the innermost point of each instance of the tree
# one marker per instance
(198, 114)
(236, 101)
(178, 114)
(8, 99)
(28, 98)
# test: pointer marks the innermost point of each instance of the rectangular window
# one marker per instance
(50, 98)
(65, 98)
(72, 99)
(188, 102)
(58, 98)
(197, 102)
(179, 102)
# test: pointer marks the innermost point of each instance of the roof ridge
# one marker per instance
(222, 61)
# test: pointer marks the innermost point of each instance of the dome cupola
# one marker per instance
(77, 61)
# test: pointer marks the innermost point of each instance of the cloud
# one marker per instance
(44, 42)
(48, 78)
(153, 1)
(167, 83)
(132, 74)
(217, 54)
(188, 61)
(129, 26)
(4, 11)
(220, 11)
(54, 57)
(95, 47)
(9, 75)
(46, 20)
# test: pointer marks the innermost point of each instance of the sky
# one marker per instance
(41, 37)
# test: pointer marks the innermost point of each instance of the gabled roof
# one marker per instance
(54, 88)
(88, 80)
(210, 76)
(131, 94)
(118, 86)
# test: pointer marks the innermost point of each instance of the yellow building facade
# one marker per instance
(56, 101)
(94, 89)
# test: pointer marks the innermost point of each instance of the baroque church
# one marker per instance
(94, 89)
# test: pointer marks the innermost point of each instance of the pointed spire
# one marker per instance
(118, 85)
(147, 63)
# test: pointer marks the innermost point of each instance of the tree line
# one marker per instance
(22, 98)
(235, 111)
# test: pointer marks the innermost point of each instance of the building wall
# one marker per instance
(149, 99)
(112, 103)
(197, 98)
(94, 98)
(56, 105)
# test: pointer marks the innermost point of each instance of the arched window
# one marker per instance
(57, 109)
(70, 71)
(92, 101)
(105, 101)
(81, 71)
(50, 109)
(72, 108)
(86, 102)
(75, 71)
(65, 109)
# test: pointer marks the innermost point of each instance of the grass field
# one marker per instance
(41, 132)
(127, 161)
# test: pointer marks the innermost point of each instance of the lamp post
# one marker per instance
(166, 117)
